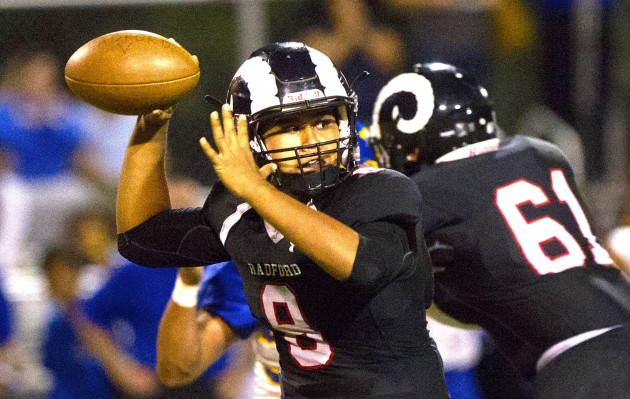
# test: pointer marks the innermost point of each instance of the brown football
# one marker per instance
(131, 72)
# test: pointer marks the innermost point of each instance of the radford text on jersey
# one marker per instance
(274, 269)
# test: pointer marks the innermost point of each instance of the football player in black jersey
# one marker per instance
(331, 254)
(509, 235)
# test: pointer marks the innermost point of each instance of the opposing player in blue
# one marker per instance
(331, 255)
(509, 235)
(206, 314)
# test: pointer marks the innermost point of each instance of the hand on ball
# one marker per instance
(158, 116)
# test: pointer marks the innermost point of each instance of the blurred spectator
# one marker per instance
(7, 371)
(119, 323)
(75, 373)
(454, 32)
(92, 231)
(575, 45)
(45, 167)
(348, 32)
(120, 327)
(491, 39)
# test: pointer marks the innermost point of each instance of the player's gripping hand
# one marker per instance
(233, 161)
(157, 117)
(152, 127)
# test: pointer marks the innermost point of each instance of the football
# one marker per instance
(131, 72)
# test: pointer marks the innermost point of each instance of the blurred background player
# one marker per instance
(75, 373)
(120, 322)
(348, 31)
(7, 326)
(45, 164)
(92, 231)
(508, 235)
(120, 327)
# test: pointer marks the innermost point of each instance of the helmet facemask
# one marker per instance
(334, 158)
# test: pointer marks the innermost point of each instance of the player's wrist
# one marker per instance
(185, 295)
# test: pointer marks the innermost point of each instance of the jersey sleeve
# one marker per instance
(113, 299)
(549, 154)
(177, 237)
(221, 294)
(389, 229)
(387, 195)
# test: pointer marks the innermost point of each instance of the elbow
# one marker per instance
(126, 248)
(135, 253)
(173, 376)
(170, 380)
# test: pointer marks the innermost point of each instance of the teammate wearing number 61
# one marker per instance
(508, 233)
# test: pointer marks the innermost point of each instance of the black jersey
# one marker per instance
(364, 337)
(519, 258)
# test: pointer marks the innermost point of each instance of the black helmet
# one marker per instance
(286, 78)
(434, 110)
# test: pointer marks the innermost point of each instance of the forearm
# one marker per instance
(130, 376)
(327, 241)
(178, 346)
(189, 341)
(142, 188)
(124, 371)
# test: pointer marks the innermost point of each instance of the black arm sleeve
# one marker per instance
(172, 238)
(391, 245)
(384, 253)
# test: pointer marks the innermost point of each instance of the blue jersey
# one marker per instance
(221, 294)
(365, 150)
(133, 300)
(41, 151)
(75, 373)
(6, 319)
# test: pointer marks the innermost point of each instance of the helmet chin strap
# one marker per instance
(308, 184)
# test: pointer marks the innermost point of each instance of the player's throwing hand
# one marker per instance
(234, 163)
